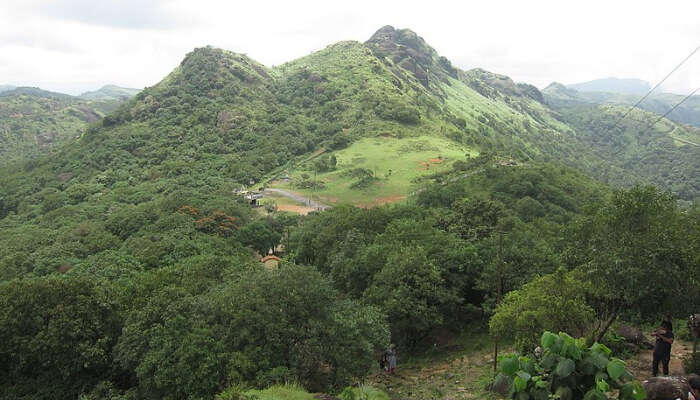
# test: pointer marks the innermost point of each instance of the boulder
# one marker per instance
(667, 388)
(634, 335)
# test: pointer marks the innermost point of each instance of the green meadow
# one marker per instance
(399, 166)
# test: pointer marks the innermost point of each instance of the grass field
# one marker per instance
(460, 368)
(398, 164)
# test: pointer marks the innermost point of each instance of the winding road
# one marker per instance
(297, 198)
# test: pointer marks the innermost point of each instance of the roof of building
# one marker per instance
(270, 257)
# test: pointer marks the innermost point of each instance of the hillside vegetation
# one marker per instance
(659, 103)
(661, 152)
(33, 121)
(129, 268)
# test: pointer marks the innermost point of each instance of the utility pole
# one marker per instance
(499, 294)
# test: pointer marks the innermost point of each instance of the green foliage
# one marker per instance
(307, 335)
(567, 369)
(554, 302)
(362, 393)
(125, 272)
(57, 335)
(394, 258)
(326, 163)
(260, 236)
(631, 240)
(279, 392)
(691, 363)
(33, 121)
(665, 154)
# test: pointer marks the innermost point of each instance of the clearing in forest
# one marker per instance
(375, 170)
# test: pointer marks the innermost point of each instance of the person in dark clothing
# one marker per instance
(662, 347)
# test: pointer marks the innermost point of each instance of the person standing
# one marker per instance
(391, 356)
(662, 348)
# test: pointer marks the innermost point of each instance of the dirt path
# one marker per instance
(640, 364)
(298, 198)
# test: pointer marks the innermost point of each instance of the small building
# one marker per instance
(253, 197)
(271, 261)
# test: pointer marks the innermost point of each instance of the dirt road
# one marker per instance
(297, 197)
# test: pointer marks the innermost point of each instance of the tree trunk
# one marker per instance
(608, 323)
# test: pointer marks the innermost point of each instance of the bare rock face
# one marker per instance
(667, 388)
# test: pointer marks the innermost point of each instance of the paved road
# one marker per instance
(296, 197)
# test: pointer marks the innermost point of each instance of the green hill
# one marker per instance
(33, 121)
(110, 92)
(659, 103)
(665, 153)
(130, 241)
(613, 85)
(5, 88)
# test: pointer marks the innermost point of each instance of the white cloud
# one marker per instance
(82, 44)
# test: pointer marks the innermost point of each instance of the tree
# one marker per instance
(288, 324)
(57, 337)
(170, 348)
(410, 289)
(631, 251)
(554, 302)
(260, 237)
(475, 218)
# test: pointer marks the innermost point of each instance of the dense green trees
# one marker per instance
(183, 332)
(634, 253)
(554, 302)
(126, 261)
(56, 337)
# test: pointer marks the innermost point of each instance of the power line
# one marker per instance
(669, 111)
(654, 88)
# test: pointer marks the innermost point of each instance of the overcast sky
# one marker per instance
(77, 45)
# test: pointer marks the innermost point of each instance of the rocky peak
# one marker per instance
(410, 51)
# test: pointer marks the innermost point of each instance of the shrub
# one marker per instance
(551, 302)
(567, 370)
(691, 363)
(362, 393)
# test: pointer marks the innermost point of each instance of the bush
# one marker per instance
(567, 370)
(552, 302)
(279, 392)
(362, 393)
(235, 392)
(691, 363)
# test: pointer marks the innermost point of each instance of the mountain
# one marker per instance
(5, 88)
(614, 85)
(33, 121)
(686, 113)
(658, 151)
(36, 92)
(110, 92)
(391, 112)
(137, 215)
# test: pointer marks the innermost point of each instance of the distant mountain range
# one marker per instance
(107, 92)
(110, 92)
(33, 120)
(614, 85)
(659, 103)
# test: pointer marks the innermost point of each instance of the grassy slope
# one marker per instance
(408, 159)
